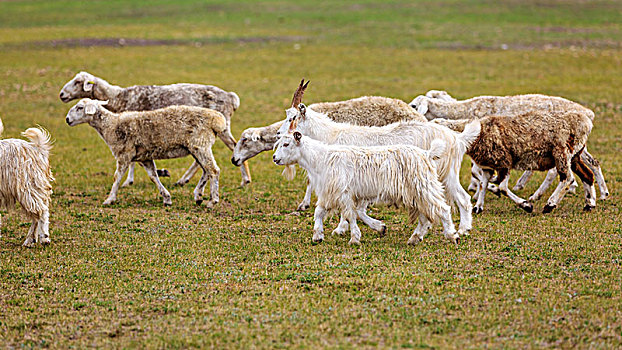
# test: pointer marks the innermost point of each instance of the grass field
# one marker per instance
(245, 274)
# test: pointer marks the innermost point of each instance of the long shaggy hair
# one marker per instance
(25, 177)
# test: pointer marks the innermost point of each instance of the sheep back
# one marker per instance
(368, 111)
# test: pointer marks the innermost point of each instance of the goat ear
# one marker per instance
(103, 103)
(297, 136)
(88, 85)
(90, 109)
(423, 107)
(303, 109)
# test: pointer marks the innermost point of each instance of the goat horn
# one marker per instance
(297, 99)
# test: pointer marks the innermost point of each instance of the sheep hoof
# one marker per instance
(211, 204)
(604, 196)
(463, 232)
(317, 240)
(548, 208)
(338, 232)
(302, 207)
(28, 243)
(354, 242)
(415, 240)
(456, 240)
(477, 210)
(44, 240)
(244, 183)
(198, 201)
(588, 207)
(383, 231)
(180, 183)
(517, 187)
(108, 202)
(526, 206)
(127, 183)
(163, 173)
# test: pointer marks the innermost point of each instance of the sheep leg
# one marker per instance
(187, 176)
(473, 185)
(476, 176)
(548, 180)
(306, 202)
(587, 177)
(230, 141)
(504, 174)
(150, 168)
(562, 161)
(594, 166)
(461, 198)
(481, 192)
(118, 175)
(130, 176)
(318, 226)
(522, 181)
(211, 172)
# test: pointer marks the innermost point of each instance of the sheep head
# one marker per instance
(79, 87)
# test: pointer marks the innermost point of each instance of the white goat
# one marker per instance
(365, 110)
(150, 97)
(171, 132)
(439, 104)
(347, 178)
(318, 126)
(25, 177)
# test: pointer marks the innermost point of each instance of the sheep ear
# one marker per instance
(297, 136)
(90, 109)
(423, 107)
(88, 85)
(255, 137)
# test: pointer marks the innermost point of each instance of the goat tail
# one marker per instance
(40, 138)
(437, 149)
(470, 134)
(289, 172)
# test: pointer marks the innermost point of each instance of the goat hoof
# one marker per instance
(163, 173)
(317, 240)
(211, 204)
(168, 204)
(603, 196)
(244, 183)
(125, 184)
(415, 240)
(456, 241)
(198, 201)
(302, 207)
(477, 210)
(180, 183)
(526, 206)
(548, 208)
(108, 202)
(354, 242)
(517, 188)
(588, 207)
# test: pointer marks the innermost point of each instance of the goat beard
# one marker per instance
(289, 172)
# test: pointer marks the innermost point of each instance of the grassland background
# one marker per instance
(245, 273)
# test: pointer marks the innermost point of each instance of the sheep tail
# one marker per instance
(470, 134)
(1, 127)
(437, 149)
(40, 138)
(455, 125)
(236, 100)
(219, 123)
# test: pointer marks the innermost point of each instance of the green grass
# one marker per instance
(245, 273)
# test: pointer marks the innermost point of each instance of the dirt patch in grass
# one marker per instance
(121, 42)
(562, 44)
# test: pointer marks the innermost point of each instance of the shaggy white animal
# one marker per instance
(347, 178)
(25, 177)
(420, 134)
(171, 132)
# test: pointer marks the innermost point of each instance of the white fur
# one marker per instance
(347, 178)
(420, 134)
(25, 177)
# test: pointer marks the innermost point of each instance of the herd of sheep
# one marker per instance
(359, 152)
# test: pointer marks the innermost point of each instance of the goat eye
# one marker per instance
(79, 107)
(286, 144)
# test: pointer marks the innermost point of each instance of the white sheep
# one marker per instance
(421, 134)
(170, 132)
(439, 104)
(532, 141)
(347, 178)
(150, 97)
(25, 178)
